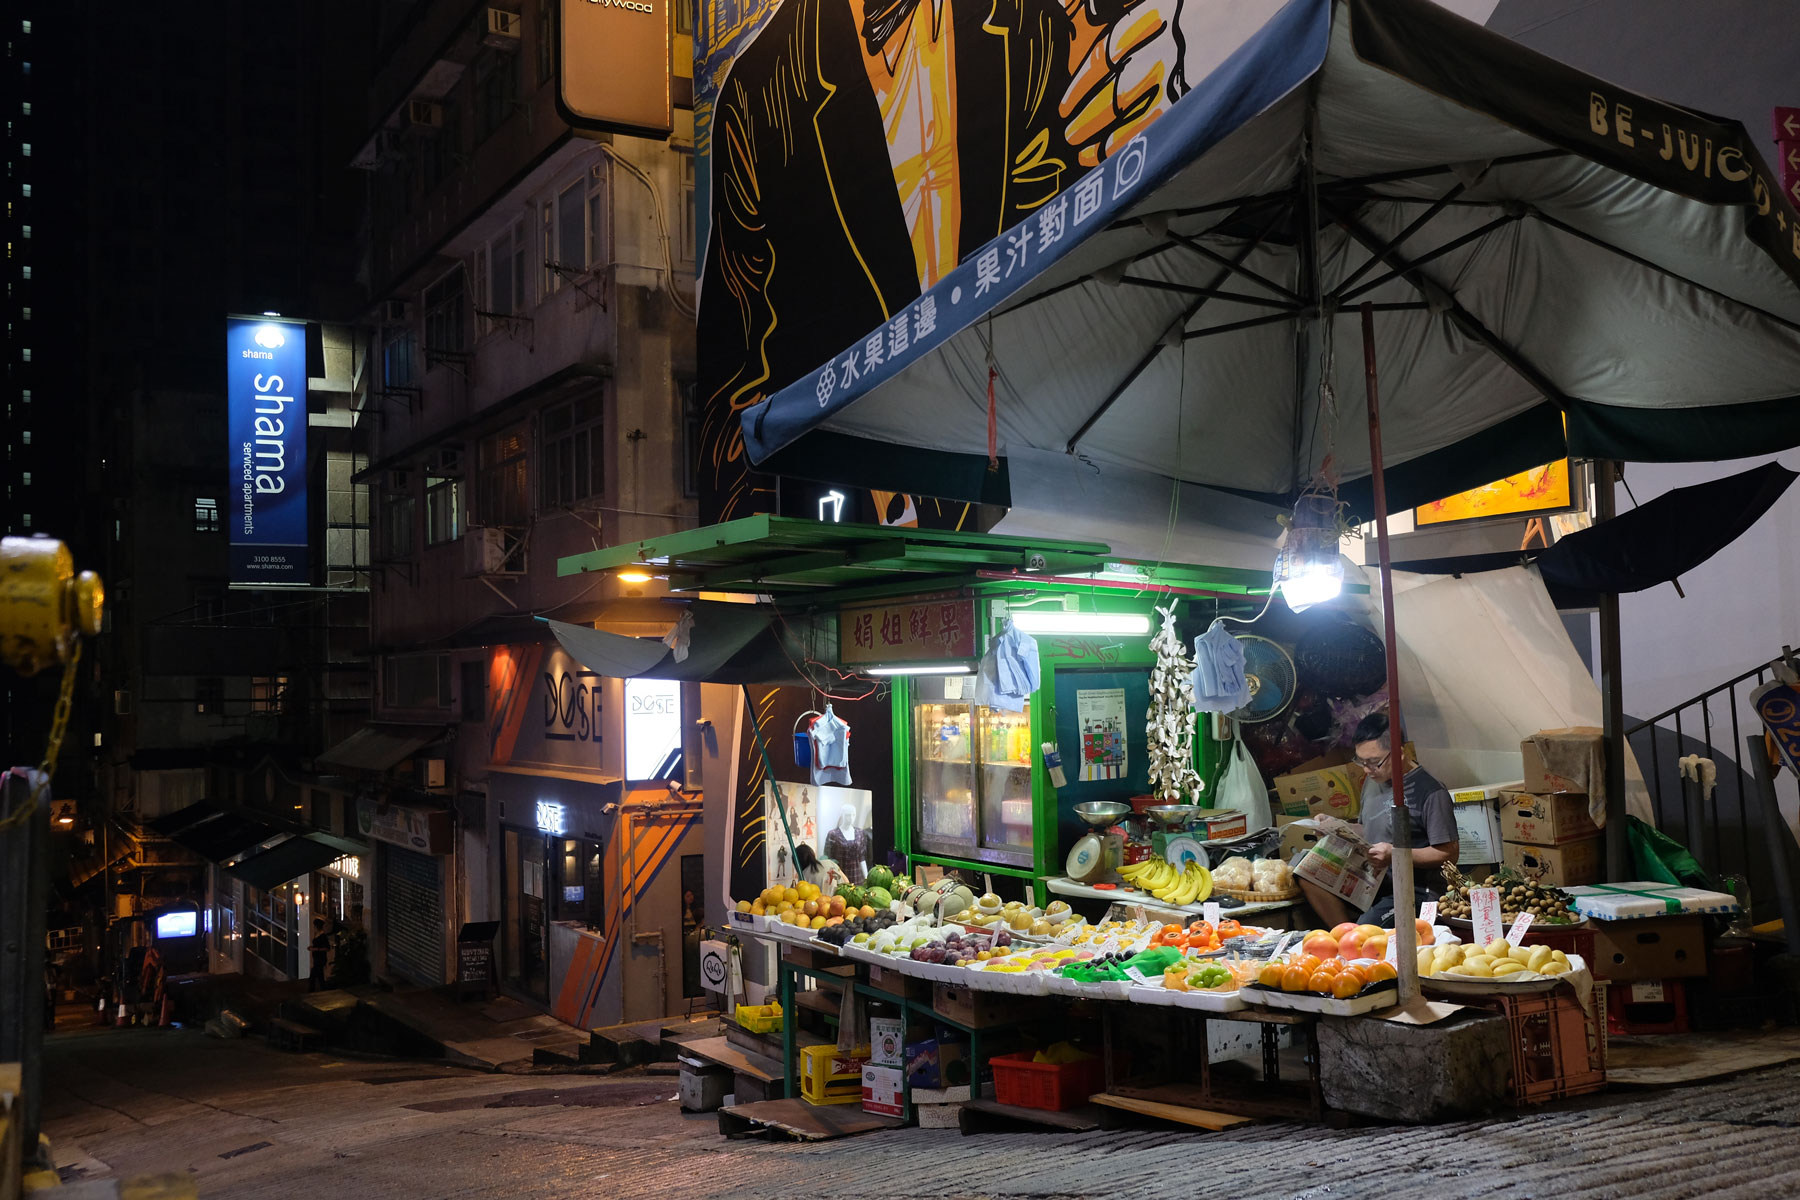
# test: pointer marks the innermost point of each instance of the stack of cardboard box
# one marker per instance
(1546, 830)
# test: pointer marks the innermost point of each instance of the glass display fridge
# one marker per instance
(971, 774)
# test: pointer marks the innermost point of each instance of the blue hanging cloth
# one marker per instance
(1220, 684)
(1009, 671)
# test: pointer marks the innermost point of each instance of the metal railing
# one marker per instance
(1725, 833)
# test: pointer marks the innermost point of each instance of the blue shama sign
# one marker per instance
(265, 380)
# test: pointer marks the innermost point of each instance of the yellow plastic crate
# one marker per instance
(829, 1076)
(759, 1018)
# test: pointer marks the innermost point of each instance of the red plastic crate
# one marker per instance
(1055, 1087)
(1558, 1050)
(1628, 1015)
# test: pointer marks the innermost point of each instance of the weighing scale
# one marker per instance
(1099, 851)
(1171, 822)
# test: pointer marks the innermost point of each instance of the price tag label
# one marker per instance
(1520, 924)
(1428, 912)
(1648, 991)
(1484, 912)
(1281, 944)
(1211, 913)
(1136, 975)
(1393, 947)
(1138, 914)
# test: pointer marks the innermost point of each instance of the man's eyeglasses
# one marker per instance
(1371, 764)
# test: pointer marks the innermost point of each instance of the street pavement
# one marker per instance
(250, 1122)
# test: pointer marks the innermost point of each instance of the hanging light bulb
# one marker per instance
(1308, 569)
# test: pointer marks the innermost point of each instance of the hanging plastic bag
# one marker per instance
(1243, 788)
(1659, 858)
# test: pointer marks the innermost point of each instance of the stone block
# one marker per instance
(1455, 1068)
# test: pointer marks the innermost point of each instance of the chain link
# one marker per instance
(59, 725)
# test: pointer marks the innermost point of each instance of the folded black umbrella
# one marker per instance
(1653, 543)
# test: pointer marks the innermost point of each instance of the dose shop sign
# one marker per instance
(265, 381)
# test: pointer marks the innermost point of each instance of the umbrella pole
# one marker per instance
(1406, 934)
(1612, 691)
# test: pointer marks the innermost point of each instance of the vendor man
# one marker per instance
(1431, 826)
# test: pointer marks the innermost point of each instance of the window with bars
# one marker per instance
(447, 314)
(443, 509)
(442, 151)
(573, 229)
(209, 694)
(206, 514)
(397, 525)
(685, 199)
(398, 353)
(501, 268)
(689, 391)
(496, 90)
(571, 466)
(500, 493)
(268, 693)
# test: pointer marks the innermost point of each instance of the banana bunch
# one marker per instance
(1189, 885)
(1499, 959)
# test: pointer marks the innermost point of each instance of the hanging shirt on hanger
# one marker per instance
(1009, 671)
(830, 749)
(1220, 684)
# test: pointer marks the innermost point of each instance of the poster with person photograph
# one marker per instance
(824, 818)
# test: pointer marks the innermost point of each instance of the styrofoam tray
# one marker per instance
(1207, 1001)
(1458, 985)
(1647, 900)
(1310, 1002)
(1112, 989)
(1013, 983)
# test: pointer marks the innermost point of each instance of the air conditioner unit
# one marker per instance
(503, 29)
(431, 772)
(484, 552)
(424, 116)
(395, 311)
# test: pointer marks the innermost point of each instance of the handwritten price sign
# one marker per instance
(1484, 911)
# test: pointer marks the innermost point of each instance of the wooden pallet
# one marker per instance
(795, 1118)
(1167, 1104)
(990, 1116)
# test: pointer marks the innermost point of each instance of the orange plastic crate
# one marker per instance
(1055, 1087)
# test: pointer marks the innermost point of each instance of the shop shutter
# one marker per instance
(414, 916)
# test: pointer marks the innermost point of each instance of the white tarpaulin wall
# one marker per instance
(1484, 663)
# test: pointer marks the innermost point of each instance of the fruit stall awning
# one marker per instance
(1542, 249)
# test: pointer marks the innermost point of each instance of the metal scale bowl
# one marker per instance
(1170, 839)
(1098, 853)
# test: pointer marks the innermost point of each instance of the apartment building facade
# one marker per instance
(531, 293)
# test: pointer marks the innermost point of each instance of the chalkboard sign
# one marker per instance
(475, 957)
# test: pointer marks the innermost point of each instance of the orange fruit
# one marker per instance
(1346, 985)
(1270, 974)
(1381, 971)
(1294, 979)
(1320, 982)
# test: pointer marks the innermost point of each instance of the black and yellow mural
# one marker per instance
(861, 149)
